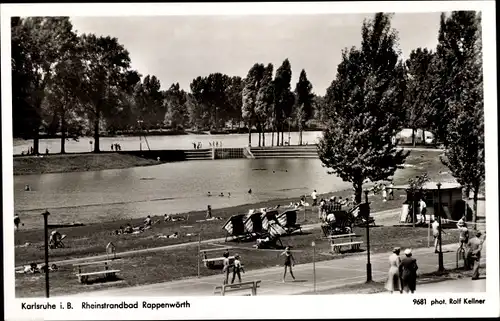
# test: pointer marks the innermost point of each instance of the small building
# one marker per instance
(452, 204)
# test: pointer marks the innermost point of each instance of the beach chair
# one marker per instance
(268, 216)
(253, 225)
(288, 220)
(273, 237)
(235, 227)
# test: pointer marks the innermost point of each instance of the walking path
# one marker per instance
(329, 274)
(378, 216)
(465, 285)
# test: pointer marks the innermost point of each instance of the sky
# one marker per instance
(181, 48)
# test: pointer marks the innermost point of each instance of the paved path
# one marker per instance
(465, 285)
(379, 216)
(329, 274)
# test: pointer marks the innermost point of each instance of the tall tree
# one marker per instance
(249, 96)
(149, 102)
(177, 113)
(61, 101)
(24, 115)
(264, 101)
(106, 61)
(305, 97)
(364, 109)
(418, 95)
(44, 39)
(283, 97)
(460, 54)
(233, 94)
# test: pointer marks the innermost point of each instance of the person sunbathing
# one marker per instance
(128, 229)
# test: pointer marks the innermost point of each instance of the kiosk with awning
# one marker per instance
(452, 204)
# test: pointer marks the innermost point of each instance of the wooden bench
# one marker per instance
(210, 262)
(83, 277)
(345, 240)
(245, 286)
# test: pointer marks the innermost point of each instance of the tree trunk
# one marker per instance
(474, 212)
(413, 137)
(282, 133)
(277, 135)
(36, 142)
(264, 136)
(63, 134)
(259, 128)
(423, 137)
(300, 134)
(358, 191)
(96, 132)
(272, 136)
(249, 135)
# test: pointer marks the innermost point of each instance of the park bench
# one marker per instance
(83, 277)
(338, 241)
(245, 286)
(211, 262)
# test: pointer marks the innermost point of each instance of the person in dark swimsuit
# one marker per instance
(289, 262)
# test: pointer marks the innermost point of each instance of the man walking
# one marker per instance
(475, 246)
(314, 196)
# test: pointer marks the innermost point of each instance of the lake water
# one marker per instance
(84, 144)
(167, 188)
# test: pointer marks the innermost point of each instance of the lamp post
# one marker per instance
(440, 254)
(368, 263)
(46, 232)
(314, 264)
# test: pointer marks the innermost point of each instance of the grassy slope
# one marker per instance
(76, 163)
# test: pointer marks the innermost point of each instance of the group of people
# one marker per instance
(215, 144)
(402, 273)
(388, 192)
(237, 266)
(472, 247)
(327, 207)
(197, 145)
(31, 151)
(116, 147)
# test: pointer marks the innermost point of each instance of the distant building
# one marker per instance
(405, 136)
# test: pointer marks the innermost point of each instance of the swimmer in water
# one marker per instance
(208, 194)
(250, 191)
(27, 188)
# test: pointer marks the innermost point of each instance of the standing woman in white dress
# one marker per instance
(393, 281)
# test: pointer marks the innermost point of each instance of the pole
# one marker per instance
(429, 231)
(368, 263)
(46, 231)
(314, 265)
(440, 254)
(199, 252)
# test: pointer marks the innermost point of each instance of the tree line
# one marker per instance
(376, 93)
(74, 85)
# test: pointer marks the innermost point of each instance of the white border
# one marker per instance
(281, 307)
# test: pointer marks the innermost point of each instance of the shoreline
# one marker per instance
(86, 162)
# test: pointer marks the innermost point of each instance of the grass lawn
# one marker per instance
(57, 163)
(162, 266)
